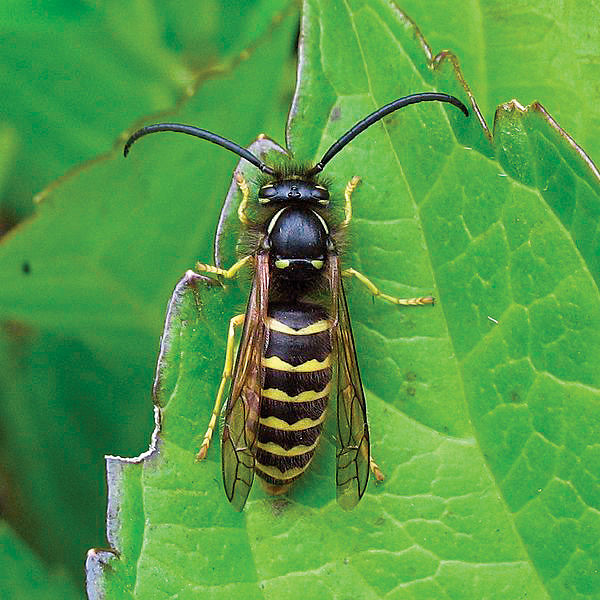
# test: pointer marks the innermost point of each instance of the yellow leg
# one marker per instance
(350, 187)
(376, 292)
(239, 179)
(227, 370)
(376, 470)
(227, 273)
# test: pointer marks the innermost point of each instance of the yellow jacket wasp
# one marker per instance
(297, 331)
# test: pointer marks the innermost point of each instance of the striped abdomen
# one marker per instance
(297, 377)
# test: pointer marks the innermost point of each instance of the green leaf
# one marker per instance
(23, 577)
(76, 74)
(63, 407)
(483, 409)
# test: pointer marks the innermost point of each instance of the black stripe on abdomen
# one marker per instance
(292, 412)
(289, 439)
(298, 349)
(283, 463)
(295, 383)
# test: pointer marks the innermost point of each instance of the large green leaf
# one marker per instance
(23, 577)
(76, 74)
(483, 409)
(85, 282)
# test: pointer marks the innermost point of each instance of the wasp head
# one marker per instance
(288, 191)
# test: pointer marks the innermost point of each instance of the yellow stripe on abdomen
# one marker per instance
(283, 475)
(282, 425)
(306, 396)
(317, 327)
(274, 448)
(274, 362)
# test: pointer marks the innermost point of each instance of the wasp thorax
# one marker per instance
(293, 190)
(297, 238)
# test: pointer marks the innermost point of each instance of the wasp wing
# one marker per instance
(243, 406)
(353, 457)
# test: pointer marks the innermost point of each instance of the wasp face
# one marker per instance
(293, 190)
(298, 240)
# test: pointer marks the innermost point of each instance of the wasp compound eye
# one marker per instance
(320, 194)
(267, 192)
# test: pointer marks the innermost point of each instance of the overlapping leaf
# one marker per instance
(22, 575)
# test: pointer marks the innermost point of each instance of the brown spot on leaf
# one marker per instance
(279, 506)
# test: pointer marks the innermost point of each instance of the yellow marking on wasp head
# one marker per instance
(282, 263)
(317, 264)
(264, 187)
(324, 202)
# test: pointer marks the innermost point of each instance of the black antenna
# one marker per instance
(379, 114)
(203, 134)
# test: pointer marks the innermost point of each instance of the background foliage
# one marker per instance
(88, 277)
